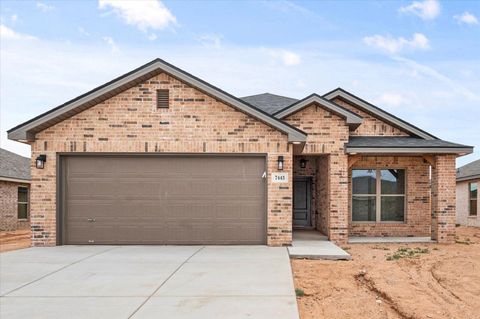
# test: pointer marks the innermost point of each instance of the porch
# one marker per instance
(372, 198)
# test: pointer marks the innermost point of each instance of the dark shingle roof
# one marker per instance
(469, 171)
(393, 141)
(14, 166)
(269, 103)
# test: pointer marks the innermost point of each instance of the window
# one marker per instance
(162, 99)
(378, 195)
(473, 197)
(22, 212)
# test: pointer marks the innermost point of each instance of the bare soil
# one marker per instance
(404, 281)
(12, 240)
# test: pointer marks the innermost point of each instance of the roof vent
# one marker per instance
(162, 99)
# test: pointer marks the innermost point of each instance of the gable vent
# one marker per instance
(162, 99)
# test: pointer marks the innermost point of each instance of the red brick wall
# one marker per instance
(417, 216)
(130, 122)
(9, 208)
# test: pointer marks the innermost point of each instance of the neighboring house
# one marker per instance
(14, 191)
(468, 204)
(158, 156)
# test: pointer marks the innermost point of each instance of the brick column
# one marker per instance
(338, 196)
(443, 199)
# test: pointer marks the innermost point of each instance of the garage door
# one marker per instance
(163, 200)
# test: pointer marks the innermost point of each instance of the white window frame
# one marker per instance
(26, 203)
(378, 197)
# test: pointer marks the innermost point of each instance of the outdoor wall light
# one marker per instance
(280, 163)
(40, 161)
(303, 163)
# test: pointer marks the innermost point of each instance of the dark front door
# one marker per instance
(301, 201)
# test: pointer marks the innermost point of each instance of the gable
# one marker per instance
(27, 131)
(327, 132)
(378, 113)
(371, 124)
(131, 121)
(352, 119)
(193, 120)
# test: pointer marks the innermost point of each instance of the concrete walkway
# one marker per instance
(147, 282)
(310, 244)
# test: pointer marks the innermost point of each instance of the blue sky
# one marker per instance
(419, 60)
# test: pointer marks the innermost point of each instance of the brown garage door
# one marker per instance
(163, 200)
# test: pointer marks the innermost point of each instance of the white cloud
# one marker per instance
(7, 33)
(152, 37)
(44, 7)
(391, 99)
(111, 43)
(427, 10)
(287, 58)
(286, 6)
(466, 18)
(395, 45)
(83, 32)
(211, 40)
(430, 72)
(145, 15)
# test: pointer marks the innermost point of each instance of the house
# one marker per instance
(14, 191)
(468, 205)
(159, 156)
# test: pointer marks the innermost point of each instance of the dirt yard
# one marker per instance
(394, 281)
(12, 240)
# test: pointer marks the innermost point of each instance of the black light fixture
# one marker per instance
(40, 161)
(280, 163)
(303, 163)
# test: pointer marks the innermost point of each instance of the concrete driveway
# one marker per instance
(147, 282)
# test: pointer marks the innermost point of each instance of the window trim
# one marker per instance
(470, 200)
(27, 203)
(378, 197)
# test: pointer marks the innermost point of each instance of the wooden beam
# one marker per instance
(430, 159)
(352, 160)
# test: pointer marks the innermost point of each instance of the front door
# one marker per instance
(301, 201)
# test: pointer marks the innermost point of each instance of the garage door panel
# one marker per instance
(164, 200)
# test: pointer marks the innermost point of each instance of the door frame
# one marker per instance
(61, 170)
(309, 200)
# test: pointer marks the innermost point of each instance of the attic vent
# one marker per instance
(162, 99)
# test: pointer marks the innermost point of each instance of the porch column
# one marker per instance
(338, 197)
(443, 199)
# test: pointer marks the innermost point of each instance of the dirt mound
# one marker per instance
(395, 281)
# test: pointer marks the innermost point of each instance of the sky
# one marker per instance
(419, 60)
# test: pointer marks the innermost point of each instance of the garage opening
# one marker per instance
(166, 199)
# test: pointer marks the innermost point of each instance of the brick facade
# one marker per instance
(463, 204)
(327, 135)
(198, 123)
(130, 122)
(8, 207)
(371, 126)
(443, 199)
